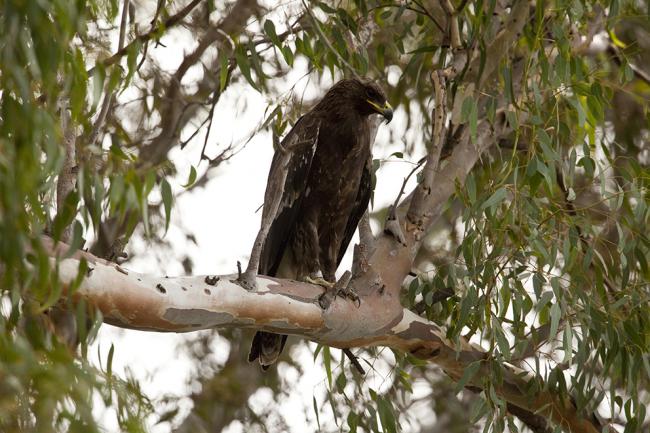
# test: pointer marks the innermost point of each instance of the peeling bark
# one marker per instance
(182, 304)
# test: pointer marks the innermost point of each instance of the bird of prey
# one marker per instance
(326, 191)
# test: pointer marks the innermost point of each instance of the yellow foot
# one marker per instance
(319, 281)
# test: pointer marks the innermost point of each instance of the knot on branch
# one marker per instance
(424, 352)
(211, 280)
(393, 226)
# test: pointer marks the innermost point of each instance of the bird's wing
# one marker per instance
(296, 151)
(359, 208)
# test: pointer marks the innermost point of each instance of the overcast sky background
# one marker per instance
(223, 218)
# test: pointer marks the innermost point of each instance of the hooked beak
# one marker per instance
(386, 110)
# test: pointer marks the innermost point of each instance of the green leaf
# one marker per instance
(109, 362)
(132, 50)
(243, 62)
(325, 7)
(468, 374)
(470, 186)
(556, 313)
(466, 108)
(319, 347)
(223, 71)
(191, 179)
(168, 198)
(77, 239)
(496, 198)
(288, 55)
(502, 341)
(327, 362)
(567, 343)
(353, 422)
(545, 141)
(316, 411)
(269, 29)
(424, 49)
(381, 54)
(341, 381)
(478, 410)
(386, 415)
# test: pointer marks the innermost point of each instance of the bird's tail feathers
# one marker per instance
(266, 347)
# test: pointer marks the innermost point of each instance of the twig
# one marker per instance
(108, 94)
(406, 179)
(172, 113)
(427, 13)
(353, 359)
(67, 177)
(159, 7)
(618, 59)
(207, 134)
(327, 42)
(125, 16)
(196, 131)
(453, 24)
(364, 248)
(169, 22)
(499, 47)
(215, 99)
(584, 239)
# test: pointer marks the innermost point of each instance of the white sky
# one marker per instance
(223, 219)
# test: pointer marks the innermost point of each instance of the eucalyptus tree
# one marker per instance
(511, 282)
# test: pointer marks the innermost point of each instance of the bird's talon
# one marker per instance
(325, 300)
(319, 281)
(349, 293)
(247, 281)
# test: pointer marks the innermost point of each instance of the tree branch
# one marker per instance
(68, 175)
(439, 114)
(172, 21)
(182, 304)
(108, 94)
(454, 32)
(173, 110)
(500, 46)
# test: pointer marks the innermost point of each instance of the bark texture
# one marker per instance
(182, 304)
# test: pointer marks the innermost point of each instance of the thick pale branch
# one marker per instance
(464, 157)
(132, 300)
(439, 114)
(426, 202)
(68, 175)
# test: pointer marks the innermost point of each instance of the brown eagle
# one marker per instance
(326, 192)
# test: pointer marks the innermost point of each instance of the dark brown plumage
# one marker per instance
(326, 191)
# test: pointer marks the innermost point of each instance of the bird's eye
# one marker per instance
(371, 93)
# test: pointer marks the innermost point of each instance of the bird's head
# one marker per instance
(375, 99)
(364, 95)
